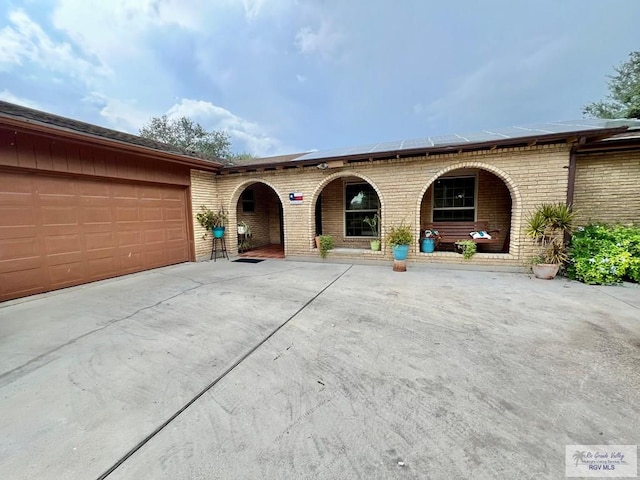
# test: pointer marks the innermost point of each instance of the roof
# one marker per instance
(552, 132)
(17, 115)
(498, 135)
(265, 160)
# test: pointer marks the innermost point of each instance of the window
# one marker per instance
(248, 201)
(454, 199)
(361, 201)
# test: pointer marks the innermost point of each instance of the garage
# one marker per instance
(60, 231)
(82, 204)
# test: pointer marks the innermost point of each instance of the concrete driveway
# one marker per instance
(287, 370)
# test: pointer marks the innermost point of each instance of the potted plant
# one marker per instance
(430, 240)
(550, 226)
(325, 243)
(467, 248)
(245, 234)
(399, 238)
(214, 221)
(373, 225)
(244, 229)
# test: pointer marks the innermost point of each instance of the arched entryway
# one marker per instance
(258, 205)
(342, 202)
(471, 194)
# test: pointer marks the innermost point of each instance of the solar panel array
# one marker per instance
(472, 138)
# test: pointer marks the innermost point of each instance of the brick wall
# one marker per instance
(608, 187)
(530, 175)
(202, 193)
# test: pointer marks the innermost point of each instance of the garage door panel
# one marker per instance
(66, 274)
(21, 283)
(96, 215)
(152, 214)
(61, 231)
(94, 189)
(154, 236)
(151, 194)
(54, 187)
(99, 240)
(99, 268)
(173, 255)
(56, 244)
(16, 264)
(173, 214)
(175, 234)
(124, 191)
(127, 214)
(12, 248)
(129, 239)
(60, 215)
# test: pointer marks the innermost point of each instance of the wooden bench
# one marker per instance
(452, 232)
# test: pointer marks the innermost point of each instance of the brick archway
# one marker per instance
(233, 206)
(326, 181)
(516, 197)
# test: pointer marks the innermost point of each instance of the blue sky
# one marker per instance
(285, 76)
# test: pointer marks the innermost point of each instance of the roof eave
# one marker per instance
(46, 129)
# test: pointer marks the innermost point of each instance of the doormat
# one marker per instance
(249, 260)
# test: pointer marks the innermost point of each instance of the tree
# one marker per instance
(623, 100)
(185, 133)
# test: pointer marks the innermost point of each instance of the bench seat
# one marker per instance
(452, 232)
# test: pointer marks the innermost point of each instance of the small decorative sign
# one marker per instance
(296, 198)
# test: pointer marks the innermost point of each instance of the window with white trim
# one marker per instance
(361, 201)
(454, 199)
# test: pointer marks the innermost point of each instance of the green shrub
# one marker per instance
(605, 254)
(400, 235)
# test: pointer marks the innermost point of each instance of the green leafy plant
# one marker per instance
(605, 254)
(209, 219)
(549, 225)
(400, 235)
(326, 244)
(373, 223)
(468, 248)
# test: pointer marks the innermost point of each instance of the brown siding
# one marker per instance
(27, 151)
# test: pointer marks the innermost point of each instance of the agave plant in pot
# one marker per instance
(399, 237)
(373, 225)
(549, 226)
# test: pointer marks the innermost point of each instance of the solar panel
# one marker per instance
(493, 134)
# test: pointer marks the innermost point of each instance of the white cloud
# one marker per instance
(25, 41)
(323, 40)
(120, 114)
(301, 78)
(7, 96)
(251, 136)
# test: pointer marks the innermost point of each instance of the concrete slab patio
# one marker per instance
(291, 370)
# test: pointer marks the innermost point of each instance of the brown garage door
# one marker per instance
(60, 231)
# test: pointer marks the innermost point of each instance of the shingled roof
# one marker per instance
(64, 124)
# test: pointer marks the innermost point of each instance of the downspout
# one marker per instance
(571, 179)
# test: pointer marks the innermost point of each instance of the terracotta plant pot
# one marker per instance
(545, 271)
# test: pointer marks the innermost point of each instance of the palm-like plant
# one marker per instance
(549, 225)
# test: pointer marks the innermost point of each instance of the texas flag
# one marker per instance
(296, 198)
